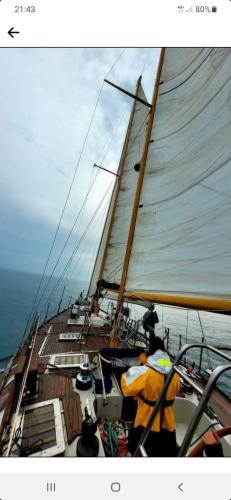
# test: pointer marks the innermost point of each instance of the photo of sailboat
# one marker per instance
(84, 379)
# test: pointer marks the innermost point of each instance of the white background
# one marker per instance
(107, 23)
(115, 23)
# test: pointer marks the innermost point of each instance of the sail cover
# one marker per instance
(119, 217)
(181, 251)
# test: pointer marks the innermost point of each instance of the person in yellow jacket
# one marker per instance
(145, 383)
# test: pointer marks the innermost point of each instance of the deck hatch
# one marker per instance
(70, 336)
(76, 322)
(42, 429)
(69, 360)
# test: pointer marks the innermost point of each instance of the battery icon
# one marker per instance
(214, 9)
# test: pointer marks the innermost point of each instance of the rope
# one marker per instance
(204, 337)
(204, 432)
(101, 208)
(95, 236)
(109, 141)
(146, 60)
(77, 246)
(64, 208)
(68, 195)
(116, 61)
(186, 334)
(67, 239)
(111, 439)
(97, 241)
(188, 78)
(107, 146)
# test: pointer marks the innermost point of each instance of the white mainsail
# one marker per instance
(109, 261)
(182, 241)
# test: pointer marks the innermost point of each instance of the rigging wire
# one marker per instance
(79, 242)
(68, 195)
(107, 145)
(64, 207)
(95, 240)
(135, 137)
(109, 141)
(186, 333)
(88, 244)
(81, 212)
(103, 160)
(65, 244)
(205, 340)
(119, 266)
(71, 258)
(105, 154)
(112, 67)
(188, 78)
(146, 60)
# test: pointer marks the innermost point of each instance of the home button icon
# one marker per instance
(115, 487)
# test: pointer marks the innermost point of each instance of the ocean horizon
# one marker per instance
(17, 293)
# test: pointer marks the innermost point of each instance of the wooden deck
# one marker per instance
(54, 385)
(94, 342)
(73, 416)
(58, 385)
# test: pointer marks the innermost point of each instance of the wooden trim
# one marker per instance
(119, 179)
(215, 304)
(140, 183)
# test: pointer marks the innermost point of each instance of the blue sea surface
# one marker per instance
(17, 293)
(187, 327)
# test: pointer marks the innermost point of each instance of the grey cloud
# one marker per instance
(47, 97)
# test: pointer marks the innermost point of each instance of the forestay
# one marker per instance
(182, 242)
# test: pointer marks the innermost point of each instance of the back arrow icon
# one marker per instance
(12, 33)
(180, 487)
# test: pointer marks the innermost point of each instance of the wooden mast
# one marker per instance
(139, 185)
(118, 184)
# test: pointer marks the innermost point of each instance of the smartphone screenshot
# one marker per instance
(115, 260)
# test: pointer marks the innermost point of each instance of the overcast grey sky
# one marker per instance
(47, 97)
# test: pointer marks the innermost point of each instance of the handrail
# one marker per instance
(22, 386)
(219, 370)
(105, 401)
(200, 408)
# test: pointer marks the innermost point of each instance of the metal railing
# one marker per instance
(205, 395)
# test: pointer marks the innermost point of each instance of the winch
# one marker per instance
(83, 378)
(88, 443)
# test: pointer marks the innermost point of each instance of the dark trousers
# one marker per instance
(151, 332)
(158, 444)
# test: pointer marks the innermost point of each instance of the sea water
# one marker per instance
(17, 293)
(190, 326)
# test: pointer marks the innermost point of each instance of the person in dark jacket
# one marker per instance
(150, 319)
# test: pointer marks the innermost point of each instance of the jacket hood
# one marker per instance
(160, 361)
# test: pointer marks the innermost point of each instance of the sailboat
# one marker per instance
(166, 240)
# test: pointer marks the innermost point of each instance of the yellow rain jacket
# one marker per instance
(145, 383)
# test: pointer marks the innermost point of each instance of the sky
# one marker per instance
(47, 98)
